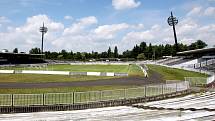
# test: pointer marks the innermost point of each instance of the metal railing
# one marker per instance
(90, 96)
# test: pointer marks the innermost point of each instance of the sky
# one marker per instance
(94, 25)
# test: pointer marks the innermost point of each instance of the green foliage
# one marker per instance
(199, 44)
(150, 51)
(109, 52)
(35, 51)
(141, 56)
(15, 50)
(116, 54)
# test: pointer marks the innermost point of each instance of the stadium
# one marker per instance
(57, 85)
(151, 81)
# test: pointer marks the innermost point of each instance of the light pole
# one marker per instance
(172, 21)
(43, 30)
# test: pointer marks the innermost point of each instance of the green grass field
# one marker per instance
(77, 68)
(132, 70)
(173, 74)
(37, 78)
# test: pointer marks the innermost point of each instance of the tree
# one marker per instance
(192, 46)
(104, 55)
(109, 52)
(143, 46)
(200, 44)
(127, 54)
(15, 50)
(64, 53)
(141, 56)
(78, 56)
(35, 51)
(135, 51)
(83, 56)
(116, 52)
(167, 49)
(150, 51)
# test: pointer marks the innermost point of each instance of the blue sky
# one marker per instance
(86, 25)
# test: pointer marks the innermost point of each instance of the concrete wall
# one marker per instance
(46, 72)
(93, 73)
(6, 71)
(99, 63)
(120, 74)
(78, 73)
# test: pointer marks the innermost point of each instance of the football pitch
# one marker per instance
(132, 70)
(76, 68)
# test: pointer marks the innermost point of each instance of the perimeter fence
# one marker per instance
(90, 96)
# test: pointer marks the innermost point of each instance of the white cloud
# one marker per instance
(125, 4)
(210, 11)
(195, 11)
(28, 35)
(80, 25)
(4, 19)
(201, 11)
(97, 39)
(188, 31)
(109, 31)
(84, 34)
(156, 35)
(186, 26)
(68, 17)
(138, 36)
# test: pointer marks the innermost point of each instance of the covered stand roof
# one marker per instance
(204, 51)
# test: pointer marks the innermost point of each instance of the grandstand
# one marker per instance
(198, 59)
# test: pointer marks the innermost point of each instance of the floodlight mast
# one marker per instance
(43, 30)
(172, 21)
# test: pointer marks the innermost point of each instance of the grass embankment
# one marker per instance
(173, 74)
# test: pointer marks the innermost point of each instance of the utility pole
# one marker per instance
(172, 21)
(43, 30)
